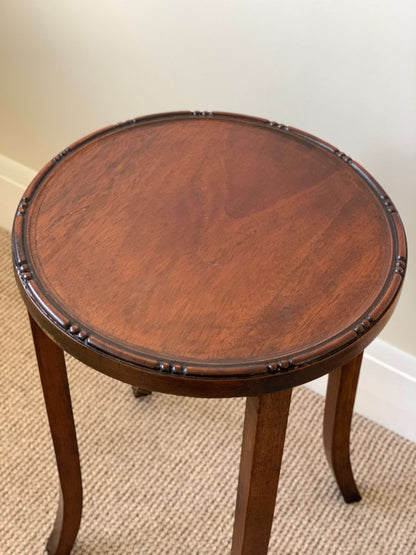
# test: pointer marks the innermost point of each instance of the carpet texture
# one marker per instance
(160, 473)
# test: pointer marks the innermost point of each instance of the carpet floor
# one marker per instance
(160, 473)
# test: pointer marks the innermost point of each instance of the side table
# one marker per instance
(211, 255)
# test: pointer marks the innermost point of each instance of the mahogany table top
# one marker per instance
(208, 253)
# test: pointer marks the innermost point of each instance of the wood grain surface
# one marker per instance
(261, 456)
(208, 246)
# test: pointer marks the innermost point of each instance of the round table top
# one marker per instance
(200, 248)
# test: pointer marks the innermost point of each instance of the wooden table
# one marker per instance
(212, 255)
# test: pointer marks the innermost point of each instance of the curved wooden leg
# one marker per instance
(340, 396)
(261, 455)
(54, 380)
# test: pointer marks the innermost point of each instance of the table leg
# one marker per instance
(340, 396)
(139, 392)
(54, 380)
(261, 455)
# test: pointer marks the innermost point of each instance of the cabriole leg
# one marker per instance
(340, 396)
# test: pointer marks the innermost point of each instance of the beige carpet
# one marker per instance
(160, 473)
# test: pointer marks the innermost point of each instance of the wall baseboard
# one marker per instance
(14, 178)
(387, 387)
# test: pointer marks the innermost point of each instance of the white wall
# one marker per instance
(344, 71)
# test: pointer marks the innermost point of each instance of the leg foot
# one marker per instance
(54, 380)
(261, 455)
(138, 392)
(340, 396)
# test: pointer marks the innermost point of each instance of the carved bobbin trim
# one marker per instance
(364, 325)
(214, 368)
(24, 273)
(343, 156)
(173, 368)
(203, 113)
(75, 330)
(400, 266)
(279, 125)
(21, 209)
(60, 155)
(283, 365)
(388, 204)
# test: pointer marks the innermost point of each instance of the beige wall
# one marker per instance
(344, 71)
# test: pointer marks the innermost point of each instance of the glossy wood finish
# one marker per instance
(261, 455)
(177, 232)
(340, 396)
(212, 255)
(54, 380)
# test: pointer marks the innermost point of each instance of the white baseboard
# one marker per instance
(387, 387)
(14, 178)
